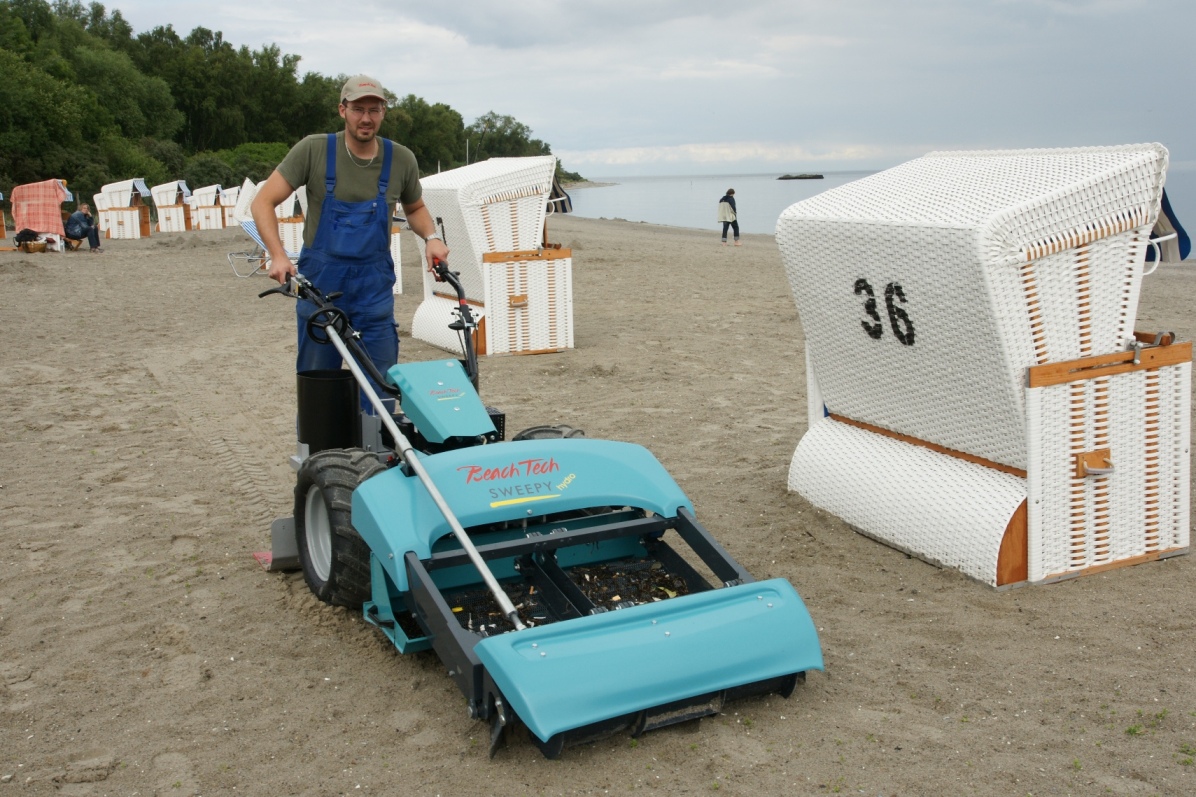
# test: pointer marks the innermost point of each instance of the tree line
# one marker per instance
(86, 99)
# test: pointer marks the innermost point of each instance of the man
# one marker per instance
(80, 225)
(353, 179)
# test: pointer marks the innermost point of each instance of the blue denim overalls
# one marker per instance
(351, 254)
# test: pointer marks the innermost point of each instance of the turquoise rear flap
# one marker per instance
(576, 672)
(440, 400)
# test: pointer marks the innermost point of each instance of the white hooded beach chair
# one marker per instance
(397, 222)
(170, 200)
(206, 208)
(292, 215)
(977, 393)
(99, 204)
(128, 215)
(492, 215)
(228, 200)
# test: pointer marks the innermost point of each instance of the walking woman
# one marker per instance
(727, 215)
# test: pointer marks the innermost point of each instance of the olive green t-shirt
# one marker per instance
(305, 164)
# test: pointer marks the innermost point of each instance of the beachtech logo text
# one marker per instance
(520, 481)
(516, 470)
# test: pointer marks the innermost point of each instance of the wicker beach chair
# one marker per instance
(228, 200)
(207, 211)
(492, 214)
(128, 215)
(977, 393)
(174, 211)
(100, 204)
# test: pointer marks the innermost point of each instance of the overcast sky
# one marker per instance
(627, 87)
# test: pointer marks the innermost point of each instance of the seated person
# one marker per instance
(80, 225)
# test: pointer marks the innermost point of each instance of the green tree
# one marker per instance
(435, 133)
(85, 99)
(169, 154)
(14, 35)
(254, 161)
(317, 97)
(495, 136)
(41, 121)
(37, 17)
(112, 28)
(136, 103)
(125, 159)
(206, 169)
(271, 92)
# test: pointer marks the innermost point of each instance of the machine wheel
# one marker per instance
(336, 561)
(552, 432)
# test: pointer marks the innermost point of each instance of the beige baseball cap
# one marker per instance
(360, 86)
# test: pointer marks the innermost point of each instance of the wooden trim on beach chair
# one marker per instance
(1152, 556)
(1120, 362)
(527, 254)
(1013, 560)
(988, 463)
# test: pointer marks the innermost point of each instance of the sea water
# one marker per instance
(693, 201)
(760, 198)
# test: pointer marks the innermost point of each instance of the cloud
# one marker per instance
(633, 82)
(507, 25)
(722, 69)
(1081, 7)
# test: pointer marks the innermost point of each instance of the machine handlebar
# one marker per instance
(328, 319)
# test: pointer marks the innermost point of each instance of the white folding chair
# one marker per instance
(255, 261)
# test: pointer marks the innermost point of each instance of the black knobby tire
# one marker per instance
(549, 432)
(336, 561)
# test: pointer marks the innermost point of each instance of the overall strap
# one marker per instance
(330, 167)
(384, 178)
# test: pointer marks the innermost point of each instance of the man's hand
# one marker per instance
(281, 267)
(421, 223)
(435, 252)
(269, 196)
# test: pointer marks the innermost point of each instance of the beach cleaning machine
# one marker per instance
(564, 582)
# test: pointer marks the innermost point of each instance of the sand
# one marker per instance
(146, 417)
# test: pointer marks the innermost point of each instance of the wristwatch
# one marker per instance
(433, 236)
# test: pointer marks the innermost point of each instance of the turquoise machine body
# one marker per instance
(440, 400)
(539, 512)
